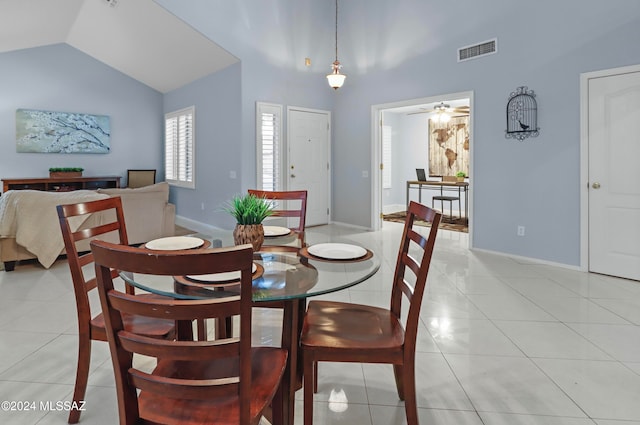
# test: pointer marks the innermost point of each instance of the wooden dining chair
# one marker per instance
(291, 204)
(223, 381)
(90, 326)
(346, 332)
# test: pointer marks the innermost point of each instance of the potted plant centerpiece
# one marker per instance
(65, 172)
(249, 212)
(461, 175)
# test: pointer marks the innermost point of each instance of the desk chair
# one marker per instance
(224, 381)
(140, 178)
(291, 204)
(442, 198)
(92, 328)
(346, 332)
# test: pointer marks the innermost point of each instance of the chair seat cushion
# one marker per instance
(349, 326)
(267, 368)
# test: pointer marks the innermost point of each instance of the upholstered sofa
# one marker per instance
(29, 225)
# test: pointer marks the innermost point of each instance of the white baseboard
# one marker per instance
(530, 260)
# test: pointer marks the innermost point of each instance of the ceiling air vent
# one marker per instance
(477, 50)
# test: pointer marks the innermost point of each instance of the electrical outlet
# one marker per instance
(520, 230)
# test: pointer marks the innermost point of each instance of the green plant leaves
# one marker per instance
(249, 209)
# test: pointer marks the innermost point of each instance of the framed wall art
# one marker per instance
(61, 132)
(449, 146)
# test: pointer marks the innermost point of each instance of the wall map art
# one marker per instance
(449, 147)
(61, 132)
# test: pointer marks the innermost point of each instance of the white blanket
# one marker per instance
(31, 217)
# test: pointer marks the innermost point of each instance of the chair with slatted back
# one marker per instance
(346, 332)
(90, 327)
(291, 204)
(224, 381)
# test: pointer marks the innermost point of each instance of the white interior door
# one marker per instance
(308, 160)
(614, 175)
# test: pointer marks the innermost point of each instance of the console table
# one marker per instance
(61, 184)
(432, 184)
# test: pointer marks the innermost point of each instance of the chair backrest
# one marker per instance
(414, 256)
(140, 178)
(70, 218)
(290, 204)
(123, 344)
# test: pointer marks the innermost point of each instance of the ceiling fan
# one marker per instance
(443, 107)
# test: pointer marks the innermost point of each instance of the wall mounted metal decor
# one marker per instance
(61, 132)
(522, 114)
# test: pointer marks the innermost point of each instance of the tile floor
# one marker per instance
(503, 342)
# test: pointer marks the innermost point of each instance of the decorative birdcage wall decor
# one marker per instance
(522, 114)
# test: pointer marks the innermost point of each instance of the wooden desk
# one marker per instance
(439, 185)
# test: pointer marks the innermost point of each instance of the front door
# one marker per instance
(614, 175)
(308, 165)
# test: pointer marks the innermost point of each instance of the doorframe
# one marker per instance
(329, 140)
(584, 154)
(376, 148)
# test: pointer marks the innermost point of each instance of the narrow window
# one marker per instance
(386, 157)
(269, 146)
(179, 161)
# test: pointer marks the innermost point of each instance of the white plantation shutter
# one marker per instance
(386, 157)
(269, 146)
(179, 162)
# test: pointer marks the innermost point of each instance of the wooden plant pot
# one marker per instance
(64, 174)
(249, 233)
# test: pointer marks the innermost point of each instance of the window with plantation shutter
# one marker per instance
(179, 160)
(386, 156)
(269, 146)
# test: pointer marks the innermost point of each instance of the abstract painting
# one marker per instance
(61, 132)
(449, 147)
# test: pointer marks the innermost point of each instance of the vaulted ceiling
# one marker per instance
(137, 37)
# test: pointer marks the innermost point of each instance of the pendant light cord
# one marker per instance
(336, 30)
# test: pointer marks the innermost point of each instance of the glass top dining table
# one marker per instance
(284, 277)
(282, 272)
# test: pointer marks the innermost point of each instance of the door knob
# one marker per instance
(596, 185)
(293, 176)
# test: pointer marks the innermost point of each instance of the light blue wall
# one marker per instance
(61, 78)
(271, 39)
(218, 145)
(407, 50)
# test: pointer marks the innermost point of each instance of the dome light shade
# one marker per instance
(335, 79)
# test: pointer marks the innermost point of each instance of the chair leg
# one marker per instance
(315, 377)
(398, 371)
(82, 377)
(410, 402)
(310, 378)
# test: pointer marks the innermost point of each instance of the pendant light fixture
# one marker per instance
(335, 79)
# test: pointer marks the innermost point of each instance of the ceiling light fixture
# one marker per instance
(335, 79)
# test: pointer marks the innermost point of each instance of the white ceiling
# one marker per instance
(137, 37)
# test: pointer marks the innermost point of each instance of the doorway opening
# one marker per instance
(401, 135)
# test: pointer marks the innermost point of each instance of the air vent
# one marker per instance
(477, 50)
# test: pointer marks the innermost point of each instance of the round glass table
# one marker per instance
(284, 277)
